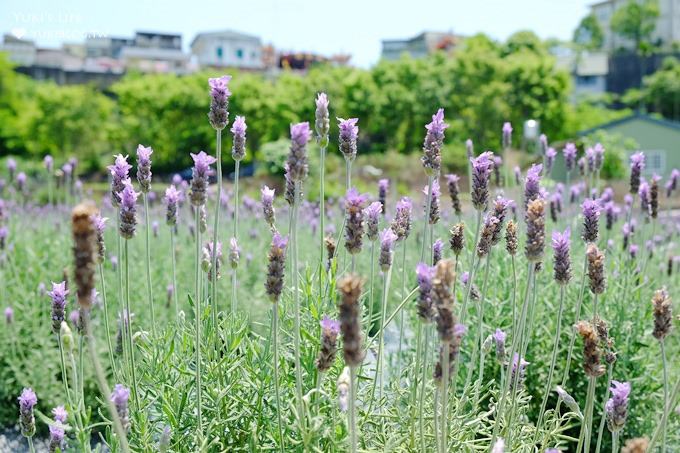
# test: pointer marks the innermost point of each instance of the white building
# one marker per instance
(228, 48)
(419, 46)
(21, 52)
(667, 25)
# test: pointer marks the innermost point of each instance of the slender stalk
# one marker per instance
(234, 275)
(296, 298)
(474, 265)
(348, 174)
(603, 419)
(444, 426)
(149, 288)
(352, 409)
(480, 328)
(197, 322)
(370, 286)
(423, 381)
(322, 219)
(516, 342)
(514, 294)
(216, 229)
(572, 340)
(379, 364)
(174, 272)
(584, 437)
(81, 374)
(426, 223)
(401, 316)
(275, 341)
(416, 375)
(661, 427)
(31, 448)
(556, 347)
(103, 386)
(615, 442)
(666, 401)
(106, 317)
(131, 350)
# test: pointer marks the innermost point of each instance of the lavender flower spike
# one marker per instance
(535, 219)
(297, 158)
(549, 160)
(499, 339)
(276, 267)
(437, 249)
(532, 184)
(425, 275)
(401, 224)
(562, 266)
(387, 240)
(58, 295)
(322, 124)
(99, 226)
(591, 218)
(482, 166)
(234, 253)
(372, 215)
(569, 153)
(238, 149)
(432, 147)
(128, 211)
(219, 102)
(349, 132)
(144, 167)
(637, 164)
(434, 202)
(616, 408)
(383, 187)
(330, 328)
(172, 197)
(119, 173)
(267, 199)
(120, 397)
(27, 401)
(200, 177)
(454, 191)
(354, 227)
(507, 135)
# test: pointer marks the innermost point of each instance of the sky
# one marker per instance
(327, 27)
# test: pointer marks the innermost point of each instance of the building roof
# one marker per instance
(635, 116)
(229, 34)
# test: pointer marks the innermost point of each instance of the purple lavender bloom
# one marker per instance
(9, 315)
(633, 250)
(276, 267)
(4, 232)
(200, 177)
(144, 167)
(234, 252)
(507, 135)
(549, 160)
(532, 184)
(60, 414)
(119, 172)
(27, 401)
(57, 435)
(569, 153)
(432, 147)
(349, 132)
(171, 199)
(616, 408)
(119, 398)
(437, 249)
(177, 180)
(581, 163)
(330, 324)
(401, 224)
(387, 240)
(643, 193)
(354, 227)
(238, 149)
(21, 181)
(637, 164)
(543, 141)
(267, 199)
(372, 215)
(454, 192)
(500, 208)
(469, 149)
(322, 124)
(674, 178)
(482, 166)
(433, 215)
(499, 339)
(383, 187)
(518, 175)
(11, 168)
(590, 159)
(522, 368)
(48, 162)
(128, 211)
(598, 151)
(611, 212)
(219, 102)
(562, 262)
(297, 158)
(591, 218)
(58, 295)
(425, 276)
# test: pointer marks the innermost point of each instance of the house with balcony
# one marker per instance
(228, 48)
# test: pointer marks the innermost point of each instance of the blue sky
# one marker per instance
(352, 26)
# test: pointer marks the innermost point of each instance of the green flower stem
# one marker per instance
(444, 426)
(380, 362)
(129, 329)
(197, 322)
(174, 272)
(666, 401)
(352, 409)
(556, 347)
(603, 419)
(275, 345)
(401, 315)
(296, 298)
(661, 427)
(149, 288)
(322, 219)
(584, 436)
(234, 275)
(106, 318)
(423, 381)
(426, 223)
(216, 229)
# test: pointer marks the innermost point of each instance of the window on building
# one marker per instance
(219, 52)
(239, 54)
(586, 80)
(656, 161)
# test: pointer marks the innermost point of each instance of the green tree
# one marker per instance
(661, 90)
(588, 35)
(636, 21)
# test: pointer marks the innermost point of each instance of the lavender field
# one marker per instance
(498, 310)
